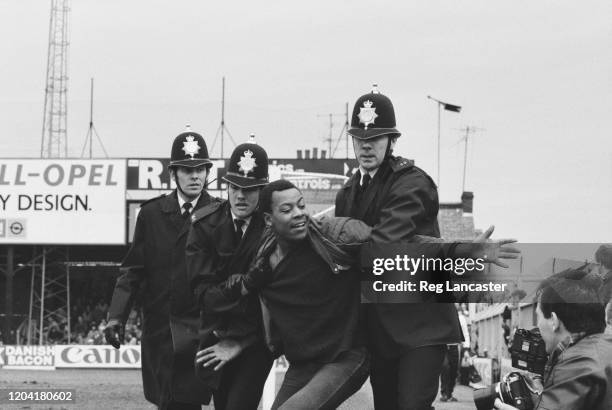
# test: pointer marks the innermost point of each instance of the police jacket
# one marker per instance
(213, 254)
(400, 202)
(154, 271)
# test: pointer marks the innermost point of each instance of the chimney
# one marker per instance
(467, 201)
(306, 154)
(323, 154)
(314, 153)
(299, 154)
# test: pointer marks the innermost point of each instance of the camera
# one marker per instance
(528, 352)
(512, 390)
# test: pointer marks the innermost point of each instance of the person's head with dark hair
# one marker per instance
(606, 297)
(284, 209)
(569, 302)
(606, 291)
(265, 197)
(603, 256)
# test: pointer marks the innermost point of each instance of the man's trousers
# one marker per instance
(448, 378)
(323, 386)
(407, 382)
(243, 379)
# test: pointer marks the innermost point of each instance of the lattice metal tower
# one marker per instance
(54, 142)
(50, 278)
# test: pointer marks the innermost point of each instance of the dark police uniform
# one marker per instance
(407, 340)
(215, 251)
(154, 271)
(213, 254)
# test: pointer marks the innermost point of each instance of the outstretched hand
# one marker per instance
(219, 354)
(494, 250)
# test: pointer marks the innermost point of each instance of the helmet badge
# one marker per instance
(367, 114)
(247, 163)
(190, 146)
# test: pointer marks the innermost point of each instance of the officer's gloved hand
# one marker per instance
(113, 333)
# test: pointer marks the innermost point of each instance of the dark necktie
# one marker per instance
(366, 181)
(239, 224)
(186, 209)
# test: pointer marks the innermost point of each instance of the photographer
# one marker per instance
(609, 318)
(603, 257)
(570, 317)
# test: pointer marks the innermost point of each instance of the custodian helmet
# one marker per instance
(373, 116)
(189, 150)
(248, 165)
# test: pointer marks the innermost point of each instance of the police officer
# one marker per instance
(398, 200)
(154, 269)
(233, 358)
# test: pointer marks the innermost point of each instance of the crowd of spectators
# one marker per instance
(87, 325)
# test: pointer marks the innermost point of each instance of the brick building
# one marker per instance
(456, 220)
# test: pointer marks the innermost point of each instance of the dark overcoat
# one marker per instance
(154, 271)
(213, 254)
(400, 202)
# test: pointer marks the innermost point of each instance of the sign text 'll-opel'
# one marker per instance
(56, 175)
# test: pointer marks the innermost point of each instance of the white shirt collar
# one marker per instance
(181, 201)
(247, 221)
(362, 171)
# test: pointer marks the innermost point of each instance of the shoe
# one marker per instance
(444, 398)
(451, 398)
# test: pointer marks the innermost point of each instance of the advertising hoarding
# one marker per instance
(62, 201)
(97, 356)
(27, 357)
(84, 201)
(319, 180)
(51, 357)
(152, 173)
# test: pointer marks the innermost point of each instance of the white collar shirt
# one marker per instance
(247, 221)
(181, 202)
(362, 171)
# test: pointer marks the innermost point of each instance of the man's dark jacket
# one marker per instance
(213, 254)
(400, 202)
(581, 379)
(154, 270)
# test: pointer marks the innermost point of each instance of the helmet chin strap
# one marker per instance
(389, 150)
(178, 186)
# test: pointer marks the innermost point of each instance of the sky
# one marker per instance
(535, 79)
